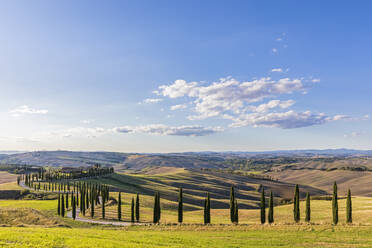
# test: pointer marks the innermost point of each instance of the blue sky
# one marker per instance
(166, 76)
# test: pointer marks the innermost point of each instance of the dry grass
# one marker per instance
(6, 177)
(26, 217)
(357, 181)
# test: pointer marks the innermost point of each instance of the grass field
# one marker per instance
(34, 223)
(189, 236)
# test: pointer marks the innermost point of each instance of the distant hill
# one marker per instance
(138, 161)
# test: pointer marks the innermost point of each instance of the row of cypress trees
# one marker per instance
(296, 206)
(85, 199)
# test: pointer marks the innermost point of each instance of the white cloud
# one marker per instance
(286, 120)
(178, 89)
(151, 100)
(229, 95)
(232, 100)
(277, 70)
(23, 110)
(160, 129)
(178, 106)
(79, 131)
(340, 117)
(274, 50)
(315, 80)
(273, 104)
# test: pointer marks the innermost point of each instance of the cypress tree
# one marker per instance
(92, 207)
(155, 214)
(86, 200)
(137, 208)
(232, 204)
(180, 206)
(236, 215)
(73, 208)
(119, 207)
(103, 208)
(208, 208)
(296, 204)
(132, 211)
(349, 217)
(335, 204)
(263, 206)
(67, 200)
(59, 205)
(270, 217)
(308, 210)
(63, 206)
(159, 207)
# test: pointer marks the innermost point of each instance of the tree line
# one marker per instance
(86, 195)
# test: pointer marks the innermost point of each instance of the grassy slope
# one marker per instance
(196, 183)
(283, 234)
(6, 177)
(358, 181)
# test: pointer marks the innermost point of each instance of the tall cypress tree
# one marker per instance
(92, 206)
(296, 204)
(208, 208)
(67, 200)
(232, 204)
(263, 206)
(87, 199)
(119, 207)
(180, 206)
(155, 214)
(62, 206)
(132, 211)
(103, 208)
(59, 204)
(137, 208)
(335, 204)
(308, 210)
(72, 196)
(73, 208)
(270, 216)
(159, 207)
(236, 215)
(349, 216)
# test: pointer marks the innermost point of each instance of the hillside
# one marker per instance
(136, 161)
(196, 183)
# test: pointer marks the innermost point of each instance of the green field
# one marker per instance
(34, 223)
(189, 236)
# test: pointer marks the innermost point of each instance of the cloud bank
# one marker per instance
(237, 101)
